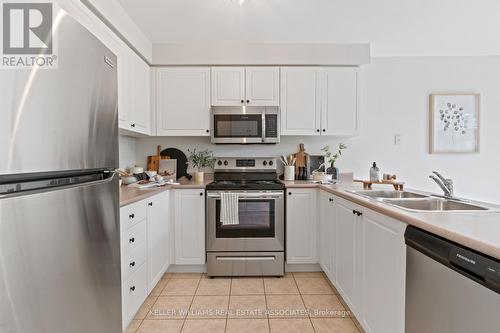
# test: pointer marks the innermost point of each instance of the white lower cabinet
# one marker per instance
(145, 239)
(384, 273)
(158, 237)
(370, 264)
(189, 212)
(346, 253)
(327, 232)
(301, 226)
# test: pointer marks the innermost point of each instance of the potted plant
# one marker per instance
(199, 160)
(331, 158)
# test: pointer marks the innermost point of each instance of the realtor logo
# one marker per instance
(27, 34)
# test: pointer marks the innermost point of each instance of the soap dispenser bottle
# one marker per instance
(374, 173)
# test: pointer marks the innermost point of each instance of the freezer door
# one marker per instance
(64, 118)
(60, 259)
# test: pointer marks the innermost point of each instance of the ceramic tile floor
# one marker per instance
(191, 303)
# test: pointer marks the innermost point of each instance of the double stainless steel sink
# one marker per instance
(413, 201)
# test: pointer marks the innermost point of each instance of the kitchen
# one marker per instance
(241, 239)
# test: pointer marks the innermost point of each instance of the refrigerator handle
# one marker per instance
(36, 183)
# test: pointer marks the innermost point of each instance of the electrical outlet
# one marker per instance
(397, 140)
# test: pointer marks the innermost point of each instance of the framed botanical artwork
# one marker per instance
(454, 123)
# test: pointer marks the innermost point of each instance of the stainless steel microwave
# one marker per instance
(245, 124)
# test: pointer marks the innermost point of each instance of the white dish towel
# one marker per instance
(229, 208)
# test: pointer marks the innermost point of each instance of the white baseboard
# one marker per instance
(187, 269)
(303, 268)
(203, 268)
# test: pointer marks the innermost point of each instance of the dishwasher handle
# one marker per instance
(475, 266)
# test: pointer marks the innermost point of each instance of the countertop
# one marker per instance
(130, 194)
(478, 230)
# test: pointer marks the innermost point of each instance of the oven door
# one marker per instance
(237, 128)
(261, 224)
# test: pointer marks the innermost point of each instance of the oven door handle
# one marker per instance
(271, 195)
(267, 258)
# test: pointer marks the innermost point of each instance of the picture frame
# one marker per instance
(454, 123)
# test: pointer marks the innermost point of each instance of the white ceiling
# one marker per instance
(394, 27)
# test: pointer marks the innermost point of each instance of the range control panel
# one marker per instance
(245, 164)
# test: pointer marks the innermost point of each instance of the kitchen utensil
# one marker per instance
(153, 161)
(182, 161)
(129, 180)
(289, 172)
(137, 170)
(151, 173)
(284, 160)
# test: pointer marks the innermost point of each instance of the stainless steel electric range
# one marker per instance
(254, 243)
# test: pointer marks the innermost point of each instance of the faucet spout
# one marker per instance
(445, 184)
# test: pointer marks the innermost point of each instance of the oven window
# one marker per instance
(238, 126)
(256, 217)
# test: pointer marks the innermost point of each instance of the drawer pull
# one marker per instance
(150, 204)
(246, 258)
(132, 288)
(131, 240)
(132, 264)
(131, 216)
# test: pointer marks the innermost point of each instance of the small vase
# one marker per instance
(334, 171)
(198, 177)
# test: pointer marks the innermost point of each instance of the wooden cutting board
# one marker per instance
(301, 158)
(153, 162)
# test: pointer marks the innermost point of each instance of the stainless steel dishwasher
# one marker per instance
(449, 288)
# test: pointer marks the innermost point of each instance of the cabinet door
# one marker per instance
(327, 222)
(345, 251)
(340, 102)
(384, 267)
(183, 101)
(301, 228)
(158, 237)
(228, 86)
(124, 86)
(140, 92)
(189, 227)
(262, 86)
(300, 100)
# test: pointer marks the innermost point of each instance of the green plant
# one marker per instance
(331, 158)
(201, 159)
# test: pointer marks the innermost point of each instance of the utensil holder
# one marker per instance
(289, 172)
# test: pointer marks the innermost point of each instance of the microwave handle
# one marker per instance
(263, 126)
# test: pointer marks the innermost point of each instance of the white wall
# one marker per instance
(127, 147)
(120, 19)
(396, 102)
(393, 27)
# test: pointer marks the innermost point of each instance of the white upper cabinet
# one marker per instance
(182, 97)
(319, 101)
(228, 86)
(134, 104)
(300, 100)
(258, 86)
(340, 102)
(262, 86)
(301, 226)
(141, 95)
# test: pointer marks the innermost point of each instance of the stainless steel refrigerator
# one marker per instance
(59, 218)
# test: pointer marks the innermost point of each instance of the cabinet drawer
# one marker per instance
(134, 292)
(134, 258)
(131, 214)
(133, 238)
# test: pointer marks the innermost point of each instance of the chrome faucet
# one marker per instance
(445, 184)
